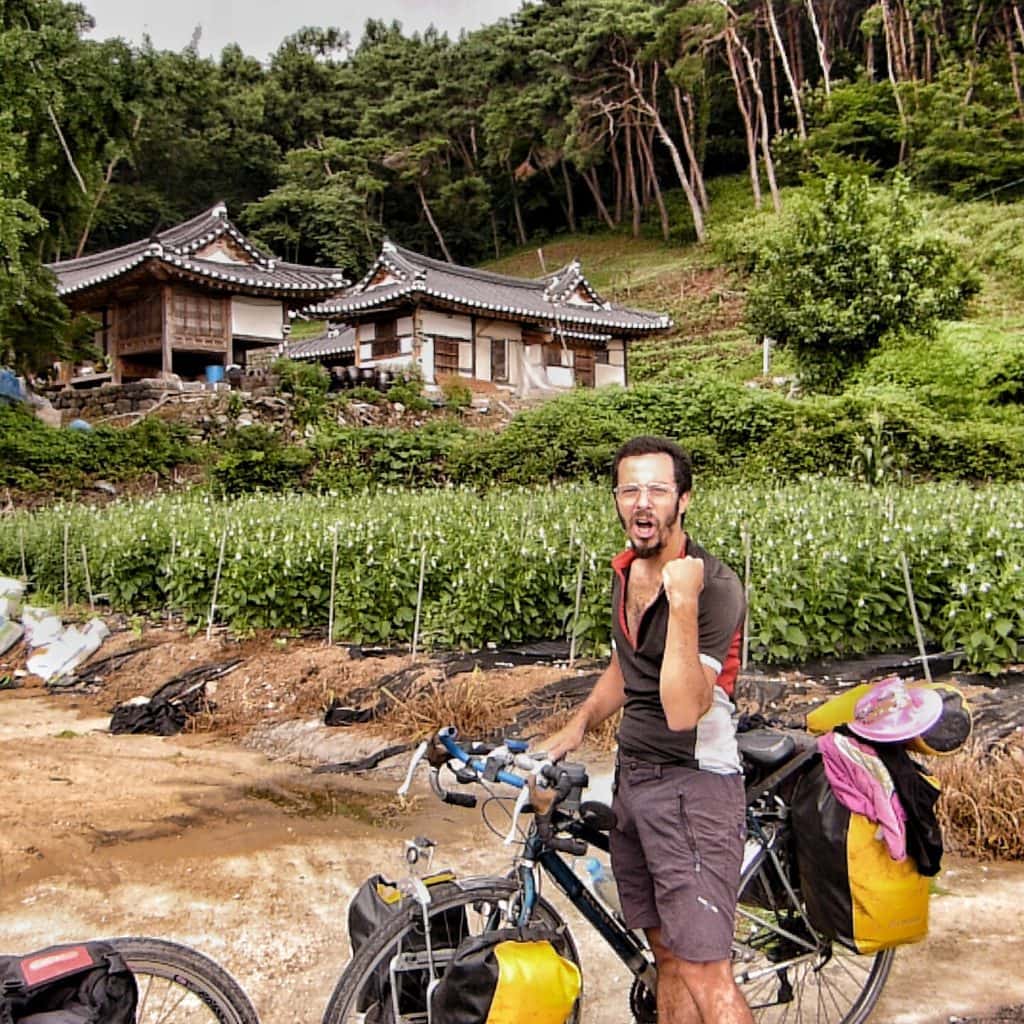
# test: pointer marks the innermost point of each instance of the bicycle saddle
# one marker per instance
(766, 748)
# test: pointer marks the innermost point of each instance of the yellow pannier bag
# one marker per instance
(854, 891)
(510, 976)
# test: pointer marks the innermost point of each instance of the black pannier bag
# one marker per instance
(853, 889)
(508, 976)
(374, 902)
(88, 983)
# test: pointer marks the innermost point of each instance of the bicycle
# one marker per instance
(788, 972)
(179, 985)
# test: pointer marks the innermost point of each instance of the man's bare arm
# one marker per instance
(687, 685)
(608, 695)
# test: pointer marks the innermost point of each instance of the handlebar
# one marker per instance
(483, 763)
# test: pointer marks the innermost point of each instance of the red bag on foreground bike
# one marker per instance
(508, 976)
(88, 983)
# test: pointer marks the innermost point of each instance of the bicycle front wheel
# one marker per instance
(387, 979)
(788, 973)
(179, 985)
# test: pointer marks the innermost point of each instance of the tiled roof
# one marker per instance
(174, 248)
(332, 343)
(553, 299)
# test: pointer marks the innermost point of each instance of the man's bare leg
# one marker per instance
(675, 1004)
(696, 993)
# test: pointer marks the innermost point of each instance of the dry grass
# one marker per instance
(982, 805)
(466, 701)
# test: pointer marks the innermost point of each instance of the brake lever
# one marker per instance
(416, 758)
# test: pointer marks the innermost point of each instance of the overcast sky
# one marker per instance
(259, 26)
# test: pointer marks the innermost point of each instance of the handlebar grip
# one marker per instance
(460, 799)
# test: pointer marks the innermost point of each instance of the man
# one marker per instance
(678, 843)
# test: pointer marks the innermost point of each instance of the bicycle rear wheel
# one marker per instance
(391, 971)
(789, 974)
(179, 985)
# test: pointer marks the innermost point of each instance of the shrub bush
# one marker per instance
(36, 457)
(257, 459)
(308, 384)
(838, 277)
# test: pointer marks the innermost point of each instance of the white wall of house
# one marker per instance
(257, 318)
(449, 325)
(614, 371)
(607, 374)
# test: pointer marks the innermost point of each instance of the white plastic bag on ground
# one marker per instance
(68, 651)
(10, 597)
(10, 633)
(41, 626)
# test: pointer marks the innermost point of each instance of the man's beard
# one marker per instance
(653, 544)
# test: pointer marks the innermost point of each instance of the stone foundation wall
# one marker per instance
(121, 403)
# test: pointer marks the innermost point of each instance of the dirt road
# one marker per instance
(253, 859)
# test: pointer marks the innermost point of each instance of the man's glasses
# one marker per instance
(629, 494)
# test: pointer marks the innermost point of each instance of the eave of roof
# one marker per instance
(332, 343)
(465, 289)
(173, 249)
(563, 315)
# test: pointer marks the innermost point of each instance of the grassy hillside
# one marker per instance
(702, 287)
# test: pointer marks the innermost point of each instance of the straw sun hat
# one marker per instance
(891, 711)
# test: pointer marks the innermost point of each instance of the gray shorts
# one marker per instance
(676, 854)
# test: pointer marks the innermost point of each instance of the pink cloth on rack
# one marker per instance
(861, 783)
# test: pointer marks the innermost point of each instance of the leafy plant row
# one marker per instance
(826, 559)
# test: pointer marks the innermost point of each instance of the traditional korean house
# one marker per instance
(551, 332)
(194, 296)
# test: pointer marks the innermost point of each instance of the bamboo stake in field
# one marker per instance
(745, 537)
(913, 612)
(88, 579)
(24, 563)
(334, 579)
(67, 595)
(170, 568)
(576, 610)
(419, 599)
(216, 583)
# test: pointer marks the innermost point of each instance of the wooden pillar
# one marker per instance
(114, 355)
(417, 344)
(167, 360)
(229, 332)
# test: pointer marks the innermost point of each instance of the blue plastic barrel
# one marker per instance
(214, 374)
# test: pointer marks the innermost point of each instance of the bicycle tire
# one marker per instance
(798, 978)
(486, 902)
(180, 985)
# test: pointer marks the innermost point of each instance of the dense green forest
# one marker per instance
(568, 116)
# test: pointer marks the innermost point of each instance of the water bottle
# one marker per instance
(602, 881)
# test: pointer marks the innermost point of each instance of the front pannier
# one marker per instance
(374, 903)
(853, 889)
(509, 976)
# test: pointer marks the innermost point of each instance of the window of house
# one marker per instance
(197, 314)
(385, 339)
(553, 355)
(142, 318)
